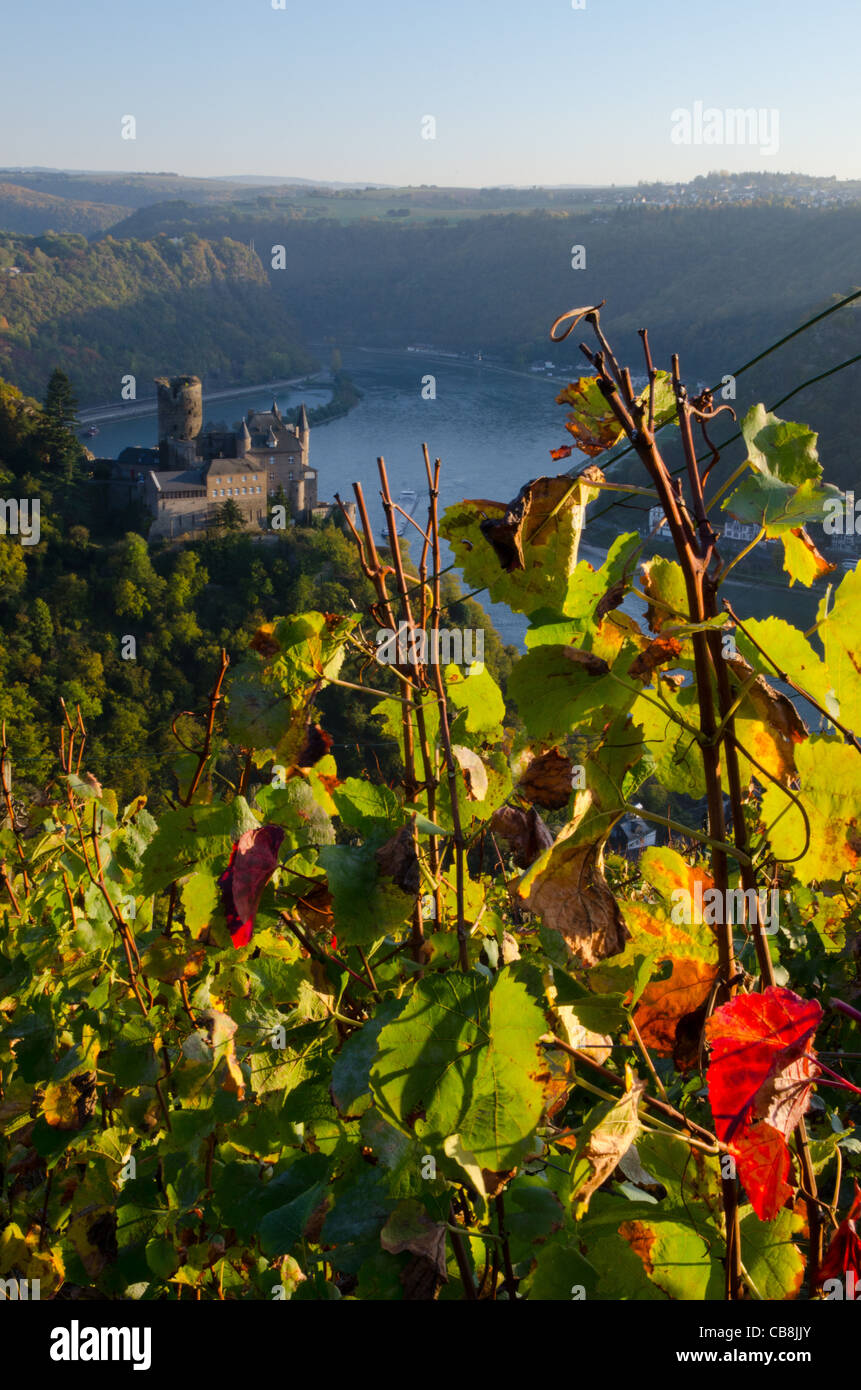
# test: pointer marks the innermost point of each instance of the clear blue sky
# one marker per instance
(522, 91)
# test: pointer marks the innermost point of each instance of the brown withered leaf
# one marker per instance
(474, 772)
(569, 891)
(397, 860)
(496, 1183)
(315, 906)
(314, 1225)
(524, 831)
(317, 745)
(662, 650)
(547, 780)
(263, 640)
(420, 1280)
(533, 513)
(410, 1228)
(687, 1045)
(607, 1143)
(611, 599)
(587, 661)
(93, 1233)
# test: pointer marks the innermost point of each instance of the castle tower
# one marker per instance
(180, 407)
(243, 440)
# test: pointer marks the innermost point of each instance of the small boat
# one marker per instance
(90, 433)
(407, 500)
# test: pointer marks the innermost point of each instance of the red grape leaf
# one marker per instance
(761, 1069)
(250, 867)
(762, 1156)
(760, 1066)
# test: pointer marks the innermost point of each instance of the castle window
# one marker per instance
(291, 477)
(244, 490)
(230, 492)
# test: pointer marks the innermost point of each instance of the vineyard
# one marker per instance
(307, 1036)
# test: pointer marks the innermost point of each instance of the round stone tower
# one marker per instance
(180, 407)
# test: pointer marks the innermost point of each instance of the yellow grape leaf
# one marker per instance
(830, 794)
(21, 1258)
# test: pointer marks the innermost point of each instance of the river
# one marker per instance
(492, 428)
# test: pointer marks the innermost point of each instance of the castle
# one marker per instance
(194, 471)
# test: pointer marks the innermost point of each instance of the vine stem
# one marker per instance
(846, 1009)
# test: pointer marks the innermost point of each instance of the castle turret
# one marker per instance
(275, 411)
(243, 440)
(304, 430)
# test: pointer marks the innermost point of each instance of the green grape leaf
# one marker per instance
(792, 654)
(771, 1257)
(367, 903)
(783, 490)
(367, 807)
(480, 699)
(463, 1057)
(664, 584)
(559, 688)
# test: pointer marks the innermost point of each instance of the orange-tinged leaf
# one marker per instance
(664, 1003)
(591, 421)
(801, 559)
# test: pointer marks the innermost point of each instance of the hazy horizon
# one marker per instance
(496, 94)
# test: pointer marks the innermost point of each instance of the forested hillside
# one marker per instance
(494, 282)
(102, 310)
(30, 212)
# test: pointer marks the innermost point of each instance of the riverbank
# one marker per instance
(130, 410)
